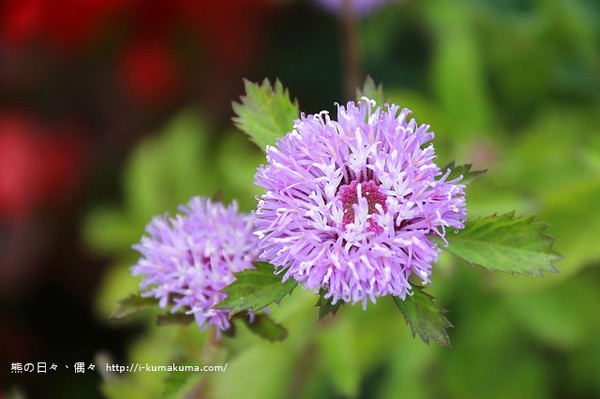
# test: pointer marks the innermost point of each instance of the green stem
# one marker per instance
(208, 356)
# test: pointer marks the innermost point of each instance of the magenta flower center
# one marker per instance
(369, 191)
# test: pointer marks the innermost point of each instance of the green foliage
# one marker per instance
(168, 169)
(117, 284)
(159, 346)
(255, 289)
(549, 314)
(131, 305)
(505, 243)
(458, 78)
(340, 363)
(487, 334)
(237, 159)
(424, 317)
(468, 175)
(281, 368)
(265, 113)
(164, 171)
(108, 229)
(575, 215)
(325, 306)
(263, 326)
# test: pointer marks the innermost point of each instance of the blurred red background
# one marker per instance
(81, 81)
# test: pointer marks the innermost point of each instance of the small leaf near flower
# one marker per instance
(265, 327)
(255, 289)
(325, 306)
(424, 317)
(265, 113)
(131, 305)
(464, 170)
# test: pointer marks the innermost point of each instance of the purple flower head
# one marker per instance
(361, 7)
(187, 260)
(350, 205)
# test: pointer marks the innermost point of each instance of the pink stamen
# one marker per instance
(370, 191)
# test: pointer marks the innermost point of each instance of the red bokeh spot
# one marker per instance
(19, 174)
(66, 25)
(149, 72)
(38, 166)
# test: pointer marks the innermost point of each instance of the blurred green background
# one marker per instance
(144, 90)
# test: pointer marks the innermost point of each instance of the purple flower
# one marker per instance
(361, 7)
(351, 205)
(187, 260)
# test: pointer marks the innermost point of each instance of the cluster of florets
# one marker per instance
(187, 260)
(350, 208)
(350, 204)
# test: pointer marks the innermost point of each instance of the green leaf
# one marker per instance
(371, 91)
(265, 113)
(255, 289)
(424, 317)
(170, 319)
(465, 171)
(134, 303)
(263, 326)
(505, 243)
(325, 306)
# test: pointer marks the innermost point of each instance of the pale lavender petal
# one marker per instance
(187, 260)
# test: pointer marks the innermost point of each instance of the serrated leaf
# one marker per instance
(424, 317)
(265, 113)
(265, 327)
(134, 303)
(462, 170)
(371, 91)
(325, 306)
(170, 319)
(255, 289)
(505, 243)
